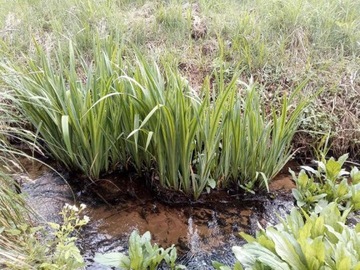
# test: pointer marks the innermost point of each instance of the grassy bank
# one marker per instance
(117, 114)
(279, 43)
(199, 94)
(25, 242)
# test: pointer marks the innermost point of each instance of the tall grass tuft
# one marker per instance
(256, 145)
(58, 100)
(14, 212)
(12, 217)
(96, 117)
(171, 127)
(201, 142)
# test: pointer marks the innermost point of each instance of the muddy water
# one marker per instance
(202, 232)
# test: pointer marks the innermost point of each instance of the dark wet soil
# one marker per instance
(202, 231)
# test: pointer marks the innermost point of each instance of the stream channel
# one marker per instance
(202, 231)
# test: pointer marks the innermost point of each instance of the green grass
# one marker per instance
(14, 212)
(108, 114)
(24, 241)
(278, 43)
(96, 106)
(14, 226)
(256, 145)
(60, 108)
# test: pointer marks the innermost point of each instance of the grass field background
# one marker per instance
(279, 43)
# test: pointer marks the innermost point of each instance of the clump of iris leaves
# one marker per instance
(99, 116)
(111, 113)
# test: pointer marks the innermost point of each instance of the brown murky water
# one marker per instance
(202, 231)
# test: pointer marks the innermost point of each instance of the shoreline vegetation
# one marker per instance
(95, 118)
(278, 43)
(198, 94)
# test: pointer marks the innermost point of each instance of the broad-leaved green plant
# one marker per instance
(141, 255)
(329, 183)
(24, 246)
(318, 241)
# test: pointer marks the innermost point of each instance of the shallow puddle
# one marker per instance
(202, 232)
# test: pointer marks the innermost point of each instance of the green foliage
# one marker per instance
(12, 205)
(142, 255)
(13, 218)
(321, 241)
(24, 246)
(278, 42)
(314, 236)
(170, 17)
(15, 228)
(64, 251)
(171, 127)
(20, 247)
(97, 117)
(320, 25)
(255, 146)
(221, 266)
(59, 106)
(329, 183)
